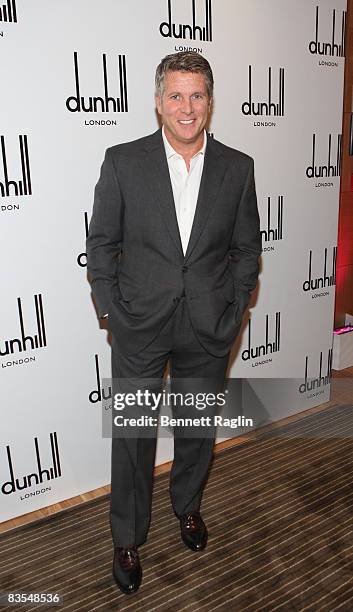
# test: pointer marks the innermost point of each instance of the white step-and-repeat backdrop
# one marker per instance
(77, 77)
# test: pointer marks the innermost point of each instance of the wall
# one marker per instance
(344, 291)
(53, 354)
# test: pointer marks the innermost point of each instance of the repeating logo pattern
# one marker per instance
(273, 232)
(268, 94)
(333, 166)
(330, 48)
(104, 103)
(268, 346)
(82, 257)
(326, 279)
(268, 106)
(320, 380)
(100, 393)
(15, 188)
(40, 475)
(27, 342)
(190, 31)
(8, 11)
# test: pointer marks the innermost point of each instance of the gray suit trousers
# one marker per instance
(192, 369)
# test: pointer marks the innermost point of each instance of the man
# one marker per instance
(172, 255)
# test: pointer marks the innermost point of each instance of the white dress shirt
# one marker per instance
(186, 186)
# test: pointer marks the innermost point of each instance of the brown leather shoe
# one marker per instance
(193, 531)
(127, 570)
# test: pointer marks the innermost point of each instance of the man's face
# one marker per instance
(184, 106)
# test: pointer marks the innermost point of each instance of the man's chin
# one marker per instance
(188, 136)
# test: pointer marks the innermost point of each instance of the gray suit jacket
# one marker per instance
(135, 259)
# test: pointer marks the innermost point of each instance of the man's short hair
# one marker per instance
(184, 61)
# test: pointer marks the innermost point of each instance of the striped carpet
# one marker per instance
(280, 515)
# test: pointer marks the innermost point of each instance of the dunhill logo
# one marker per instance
(99, 394)
(320, 381)
(269, 346)
(25, 343)
(168, 29)
(267, 108)
(18, 188)
(8, 12)
(328, 169)
(329, 48)
(37, 477)
(270, 233)
(82, 257)
(322, 281)
(105, 103)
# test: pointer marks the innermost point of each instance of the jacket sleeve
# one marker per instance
(105, 235)
(245, 248)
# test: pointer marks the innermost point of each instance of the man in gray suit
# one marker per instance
(172, 256)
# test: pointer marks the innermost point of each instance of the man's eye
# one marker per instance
(175, 97)
(197, 96)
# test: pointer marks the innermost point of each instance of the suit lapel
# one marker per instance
(156, 175)
(157, 178)
(213, 173)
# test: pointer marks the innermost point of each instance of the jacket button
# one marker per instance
(185, 268)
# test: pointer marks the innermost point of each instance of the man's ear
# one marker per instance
(158, 104)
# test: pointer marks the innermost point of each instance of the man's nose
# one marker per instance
(187, 106)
